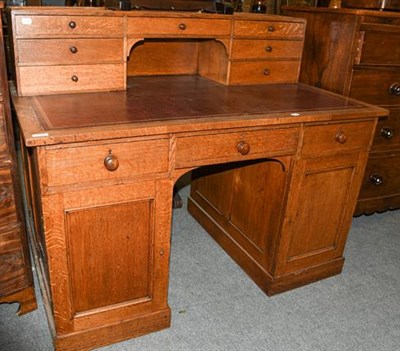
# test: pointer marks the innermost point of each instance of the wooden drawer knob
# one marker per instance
(268, 48)
(395, 89)
(267, 72)
(243, 148)
(111, 162)
(73, 49)
(271, 29)
(74, 78)
(72, 24)
(182, 26)
(341, 137)
(376, 179)
(387, 133)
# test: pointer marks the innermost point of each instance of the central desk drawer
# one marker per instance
(44, 26)
(236, 146)
(265, 49)
(341, 137)
(69, 51)
(75, 165)
(34, 80)
(151, 26)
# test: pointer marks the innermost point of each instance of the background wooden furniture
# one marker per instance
(100, 166)
(16, 284)
(357, 53)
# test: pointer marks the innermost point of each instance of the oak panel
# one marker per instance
(8, 215)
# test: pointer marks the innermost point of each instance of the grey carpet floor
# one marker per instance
(215, 306)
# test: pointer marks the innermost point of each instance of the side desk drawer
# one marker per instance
(61, 26)
(237, 146)
(373, 85)
(265, 49)
(178, 27)
(34, 80)
(264, 72)
(7, 202)
(268, 29)
(69, 51)
(341, 137)
(75, 165)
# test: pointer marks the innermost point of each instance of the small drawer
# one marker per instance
(69, 51)
(7, 201)
(86, 164)
(226, 147)
(269, 29)
(387, 133)
(341, 137)
(382, 176)
(378, 86)
(37, 26)
(381, 46)
(264, 72)
(265, 49)
(34, 80)
(152, 26)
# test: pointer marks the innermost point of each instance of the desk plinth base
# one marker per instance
(270, 284)
(127, 329)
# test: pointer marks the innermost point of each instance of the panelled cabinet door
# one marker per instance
(318, 216)
(108, 253)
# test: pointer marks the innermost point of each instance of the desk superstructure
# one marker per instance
(276, 167)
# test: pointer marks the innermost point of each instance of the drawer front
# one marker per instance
(227, 147)
(269, 29)
(69, 51)
(381, 47)
(375, 85)
(75, 165)
(68, 79)
(178, 27)
(382, 176)
(341, 137)
(67, 26)
(387, 133)
(264, 72)
(265, 49)
(8, 210)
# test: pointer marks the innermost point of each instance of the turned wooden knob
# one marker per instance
(73, 49)
(268, 48)
(111, 162)
(387, 133)
(267, 72)
(376, 179)
(182, 26)
(341, 137)
(74, 78)
(395, 89)
(72, 24)
(243, 148)
(271, 28)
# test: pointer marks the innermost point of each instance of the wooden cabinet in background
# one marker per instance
(357, 53)
(16, 284)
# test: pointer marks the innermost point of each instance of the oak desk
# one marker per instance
(277, 169)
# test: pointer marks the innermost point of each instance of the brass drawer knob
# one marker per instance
(376, 179)
(73, 49)
(271, 29)
(74, 78)
(111, 162)
(243, 148)
(182, 26)
(395, 89)
(387, 133)
(341, 137)
(72, 24)
(268, 48)
(266, 72)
